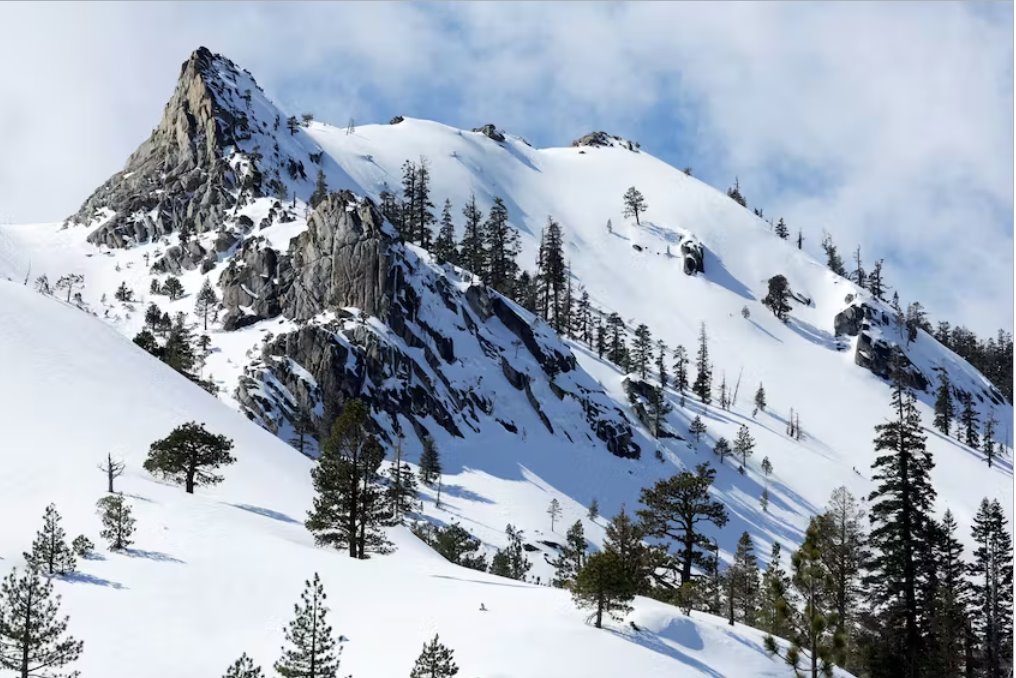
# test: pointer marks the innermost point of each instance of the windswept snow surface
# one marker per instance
(216, 573)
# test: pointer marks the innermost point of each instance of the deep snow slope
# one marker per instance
(217, 572)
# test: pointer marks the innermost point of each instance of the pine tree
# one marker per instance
(944, 411)
(554, 511)
(617, 353)
(760, 398)
(189, 455)
(153, 314)
(435, 661)
(992, 589)
(501, 247)
(572, 556)
(551, 275)
(471, 249)
(604, 585)
(634, 204)
(774, 591)
(302, 422)
(421, 207)
(117, 521)
(584, 318)
(320, 189)
(988, 438)
(900, 510)
(969, 420)
(800, 239)
(33, 638)
(674, 509)
(858, 276)
(734, 193)
(724, 397)
(697, 429)
(661, 364)
(50, 553)
(680, 369)
(745, 580)
(946, 614)
(205, 302)
(173, 288)
(876, 282)
(511, 561)
(722, 448)
(444, 245)
(833, 260)
(624, 538)
(744, 444)
(243, 668)
(310, 650)
(777, 296)
(813, 628)
(844, 553)
(453, 543)
(430, 462)
(594, 510)
(124, 293)
(350, 507)
(178, 352)
(642, 350)
(82, 546)
(781, 229)
(402, 493)
(703, 385)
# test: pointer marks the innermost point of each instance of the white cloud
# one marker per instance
(889, 125)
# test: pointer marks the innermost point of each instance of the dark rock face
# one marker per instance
(602, 139)
(641, 394)
(396, 120)
(397, 328)
(491, 132)
(693, 254)
(209, 154)
(874, 352)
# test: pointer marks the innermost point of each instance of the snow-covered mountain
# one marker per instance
(326, 304)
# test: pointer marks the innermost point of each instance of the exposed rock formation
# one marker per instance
(693, 253)
(491, 132)
(602, 139)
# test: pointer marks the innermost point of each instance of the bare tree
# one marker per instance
(113, 469)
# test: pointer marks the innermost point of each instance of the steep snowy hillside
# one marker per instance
(321, 305)
(227, 564)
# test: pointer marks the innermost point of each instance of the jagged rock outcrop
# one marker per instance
(644, 397)
(693, 254)
(382, 324)
(874, 352)
(220, 144)
(603, 139)
(491, 132)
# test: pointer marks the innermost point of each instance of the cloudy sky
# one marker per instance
(888, 125)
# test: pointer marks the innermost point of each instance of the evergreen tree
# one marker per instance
(554, 511)
(501, 247)
(876, 282)
(703, 385)
(844, 553)
(734, 194)
(50, 553)
(944, 411)
(774, 592)
(526, 291)
(722, 448)
(760, 398)
(310, 649)
(642, 350)
(551, 275)
(697, 429)
(604, 585)
(455, 544)
(744, 444)
(178, 352)
(124, 293)
(205, 302)
(744, 572)
(153, 315)
(421, 207)
(584, 318)
(173, 288)
(634, 204)
(800, 239)
(900, 510)
(444, 245)
(408, 209)
(117, 521)
(303, 426)
(616, 351)
(658, 409)
(471, 250)
(33, 637)
(572, 556)
(623, 537)
(661, 364)
(511, 561)
(858, 276)
(430, 462)
(435, 661)
(776, 299)
(82, 546)
(988, 439)
(947, 615)
(389, 205)
(969, 420)
(188, 455)
(674, 509)
(813, 628)
(594, 510)
(320, 190)
(781, 229)
(402, 493)
(833, 260)
(601, 337)
(680, 369)
(243, 668)
(992, 589)
(350, 507)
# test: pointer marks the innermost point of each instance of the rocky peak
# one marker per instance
(603, 139)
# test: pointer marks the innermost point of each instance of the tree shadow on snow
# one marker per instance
(717, 273)
(267, 513)
(815, 335)
(765, 331)
(460, 492)
(83, 578)
(652, 641)
(151, 555)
